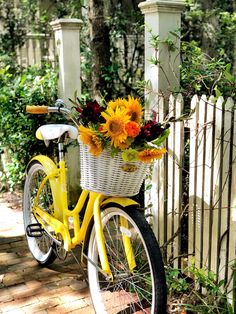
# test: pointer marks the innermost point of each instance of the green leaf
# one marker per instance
(162, 138)
(148, 187)
(217, 91)
(228, 76)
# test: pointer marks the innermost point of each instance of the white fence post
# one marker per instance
(161, 19)
(67, 37)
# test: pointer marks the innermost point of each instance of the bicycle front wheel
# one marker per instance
(140, 290)
(41, 246)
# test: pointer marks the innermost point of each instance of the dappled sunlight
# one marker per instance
(11, 216)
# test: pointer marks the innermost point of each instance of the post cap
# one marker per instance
(66, 24)
(150, 6)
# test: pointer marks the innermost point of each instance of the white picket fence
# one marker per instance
(202, 213)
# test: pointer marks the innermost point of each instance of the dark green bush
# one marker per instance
(18, 88)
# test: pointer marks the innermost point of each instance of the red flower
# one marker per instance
(132, 128)
(91, 112)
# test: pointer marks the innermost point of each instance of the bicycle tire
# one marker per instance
(140, 291)
(40, 247)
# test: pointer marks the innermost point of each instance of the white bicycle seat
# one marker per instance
(54, 131)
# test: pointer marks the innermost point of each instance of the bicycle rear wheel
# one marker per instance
(142, 290)
(41, 247)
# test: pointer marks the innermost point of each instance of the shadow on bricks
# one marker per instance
(25, 286)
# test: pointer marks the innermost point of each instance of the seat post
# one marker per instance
(61, 151)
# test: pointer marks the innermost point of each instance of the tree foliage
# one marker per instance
(208, 47)
(212, 25)
(13, 21)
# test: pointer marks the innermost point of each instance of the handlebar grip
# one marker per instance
(37, 109)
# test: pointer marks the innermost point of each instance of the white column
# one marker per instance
(67, 38)
(161, 18)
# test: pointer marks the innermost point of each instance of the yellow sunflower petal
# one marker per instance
(118, 103)
(134, 109)
(114, 127)
(148, 155)
(89, 137)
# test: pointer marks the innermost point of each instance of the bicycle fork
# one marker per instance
(126, 238)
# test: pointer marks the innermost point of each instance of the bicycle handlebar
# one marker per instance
(59, 108)
(37, 109)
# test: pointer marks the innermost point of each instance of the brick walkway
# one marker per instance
(25, 287)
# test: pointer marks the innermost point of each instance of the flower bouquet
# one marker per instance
(117, 144)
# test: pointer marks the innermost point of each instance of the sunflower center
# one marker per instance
(115, 127)
(133, 116)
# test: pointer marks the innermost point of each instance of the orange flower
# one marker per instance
(132, 128)
(148, 155)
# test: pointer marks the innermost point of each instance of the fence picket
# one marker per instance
(207, 182)
(171, 176)
(200, 176)
(232, 233)
(193, 177)
(177, 183)
(217, 183)
(225, 203)
(162, 181)
(155, 196)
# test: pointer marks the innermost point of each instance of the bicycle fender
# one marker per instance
(46, 162)
(120, 201)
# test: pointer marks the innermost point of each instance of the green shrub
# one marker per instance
(18, 88)
(196, 292)
(203, 74)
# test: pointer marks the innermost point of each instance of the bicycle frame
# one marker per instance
(59, 222)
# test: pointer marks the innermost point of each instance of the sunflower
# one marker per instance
(114, 127)
(118, 103)
(148, 155)
(89, 137)
(134, 109)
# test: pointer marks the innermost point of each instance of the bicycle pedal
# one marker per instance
(34, 231)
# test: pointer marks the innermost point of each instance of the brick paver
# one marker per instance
(27, 288)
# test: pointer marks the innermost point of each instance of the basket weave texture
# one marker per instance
(110, 176)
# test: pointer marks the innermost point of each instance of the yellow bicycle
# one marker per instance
(125, 268)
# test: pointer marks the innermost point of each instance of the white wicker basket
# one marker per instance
(110, 176)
